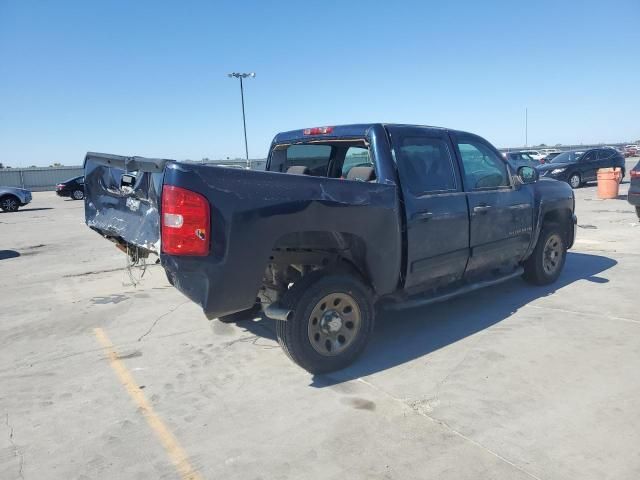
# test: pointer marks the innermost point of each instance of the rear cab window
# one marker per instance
(314, 157)
(348, 159)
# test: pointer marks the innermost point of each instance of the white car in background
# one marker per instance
(535, 154)
(547, 151)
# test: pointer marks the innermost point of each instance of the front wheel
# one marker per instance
(332, 321)
(547, 260)
(575, 181)
(9, 203)
(78, 194)
(638, 212)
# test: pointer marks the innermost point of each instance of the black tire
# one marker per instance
(638, 212)
(249, 314)
(303, 298)
(77, 194)
(575, 180)
(537, 268)
(9, 203)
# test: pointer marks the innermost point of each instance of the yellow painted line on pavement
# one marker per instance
(174, 451)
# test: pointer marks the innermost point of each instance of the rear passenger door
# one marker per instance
(501, 214)
(589, 166)
(437, 216)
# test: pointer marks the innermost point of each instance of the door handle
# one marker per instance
(422, 216)
(481, 209)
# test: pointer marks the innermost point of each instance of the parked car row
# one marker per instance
(12, 198)
(632, 151)
(579, 167)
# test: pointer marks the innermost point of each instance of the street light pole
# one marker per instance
(244, 122)
(526, 127)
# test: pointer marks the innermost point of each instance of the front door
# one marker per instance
(501, 213)
(437, 215)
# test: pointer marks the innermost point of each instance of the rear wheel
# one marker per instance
(575, 181)
(332, 321)
(9, 203)
(638, 212)
(77, 194)
(547, 260)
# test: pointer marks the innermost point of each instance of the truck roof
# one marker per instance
(339, 131)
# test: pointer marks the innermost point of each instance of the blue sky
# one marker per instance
(149, 77)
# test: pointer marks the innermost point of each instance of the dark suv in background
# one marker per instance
(577, 168)
(74, 188)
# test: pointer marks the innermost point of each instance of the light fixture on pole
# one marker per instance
(244, 122)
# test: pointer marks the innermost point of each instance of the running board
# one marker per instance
(421, 302)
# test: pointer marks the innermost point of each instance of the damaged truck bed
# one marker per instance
(344, 219)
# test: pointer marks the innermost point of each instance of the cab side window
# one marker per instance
(483, 169)
(426, 165)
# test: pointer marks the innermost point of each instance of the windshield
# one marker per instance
(74, 179)
(566, 157)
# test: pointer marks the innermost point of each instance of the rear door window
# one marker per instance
(605, 154)
(426, 164)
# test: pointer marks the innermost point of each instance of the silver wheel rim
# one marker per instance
(552, 256)
(77, 194)
(334, 324)
(9, 204)
(575, 181)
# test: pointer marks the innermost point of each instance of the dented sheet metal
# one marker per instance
(251, 213)
(125, 211)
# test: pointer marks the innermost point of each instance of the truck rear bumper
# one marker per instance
(207, 284)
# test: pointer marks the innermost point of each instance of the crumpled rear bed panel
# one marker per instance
(129, 214)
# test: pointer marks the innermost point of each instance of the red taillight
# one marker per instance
(634, 173)
(185, 222)
(318, 130)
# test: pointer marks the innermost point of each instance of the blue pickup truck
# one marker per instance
(344, 221)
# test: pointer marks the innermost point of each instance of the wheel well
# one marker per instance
(321, 249)
(562, 217)
(297, 254)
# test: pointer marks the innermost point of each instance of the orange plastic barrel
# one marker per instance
(608, 182)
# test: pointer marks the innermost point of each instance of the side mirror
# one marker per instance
(528, 174)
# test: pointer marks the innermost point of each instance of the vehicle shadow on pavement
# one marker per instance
(402, 336)
(31, 209)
